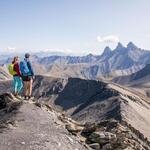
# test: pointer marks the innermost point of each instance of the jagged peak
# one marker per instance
(131, 45)
(90, 55)
(107, 51)
(107, 48)
(120, 46)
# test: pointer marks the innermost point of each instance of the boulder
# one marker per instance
(102, 137)
(95, 146)
(88, 129)
(107, 147)
(73, 128)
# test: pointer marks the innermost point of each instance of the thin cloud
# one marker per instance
(58, 50)
(11, 48)
(108, 39)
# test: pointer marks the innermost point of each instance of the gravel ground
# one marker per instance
(36, 129)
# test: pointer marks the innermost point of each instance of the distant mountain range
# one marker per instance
(111, 63)
(120, 61)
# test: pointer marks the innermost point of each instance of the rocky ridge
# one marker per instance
(49, 130)
(96, 113)
(31, 126)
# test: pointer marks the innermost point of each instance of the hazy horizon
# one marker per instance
(61, 53)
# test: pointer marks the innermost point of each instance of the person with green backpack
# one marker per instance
(14, 70)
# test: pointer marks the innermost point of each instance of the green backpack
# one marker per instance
(11, 69)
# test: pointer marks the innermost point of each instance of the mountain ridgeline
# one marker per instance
(120, 61)
(111, 63)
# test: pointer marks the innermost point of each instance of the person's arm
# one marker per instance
(31, 68)
(17, 69)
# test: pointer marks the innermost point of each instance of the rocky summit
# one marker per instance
(74, 113)
(32, 126)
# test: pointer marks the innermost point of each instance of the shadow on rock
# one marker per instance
(9, 107)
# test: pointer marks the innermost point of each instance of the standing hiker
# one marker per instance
(14, 70)
(27, 76)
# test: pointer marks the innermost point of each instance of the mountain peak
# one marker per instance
(131, 45)
(107, 51)
(119, 46)
(90, 55)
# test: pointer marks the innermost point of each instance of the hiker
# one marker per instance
(27, 76)
(14, 70)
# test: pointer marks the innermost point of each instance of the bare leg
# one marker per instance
(30, 87)
(25, 91)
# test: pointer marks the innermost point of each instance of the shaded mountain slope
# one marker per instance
(141, 75)
(94, 101)
(5, 86)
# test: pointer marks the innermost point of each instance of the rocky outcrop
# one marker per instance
(110, 135)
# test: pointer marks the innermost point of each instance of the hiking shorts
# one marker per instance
(27, 78)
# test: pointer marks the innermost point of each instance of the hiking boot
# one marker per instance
(18, 97)
(26, 98)
(31, 97)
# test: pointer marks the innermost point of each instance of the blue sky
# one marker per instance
(73, 26)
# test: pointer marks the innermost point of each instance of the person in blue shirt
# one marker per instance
(27, 76)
